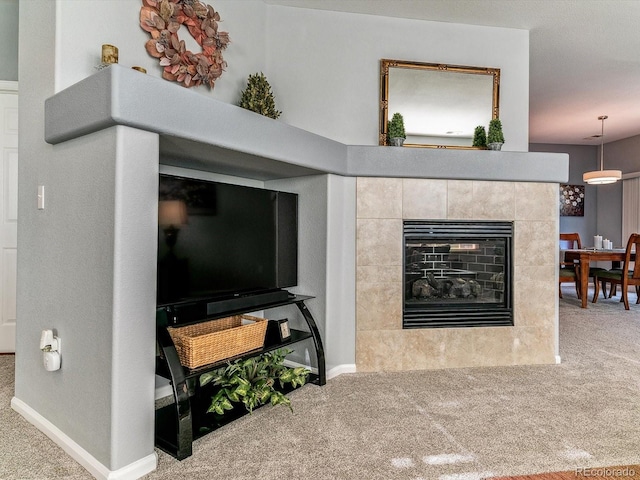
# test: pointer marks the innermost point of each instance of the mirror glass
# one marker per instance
(441, 104)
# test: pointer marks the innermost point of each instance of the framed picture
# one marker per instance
(278, 331)
(571, 200)
(285, 333)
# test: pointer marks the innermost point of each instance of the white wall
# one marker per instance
(324, 67)
(83, 26)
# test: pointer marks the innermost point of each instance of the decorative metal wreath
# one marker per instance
(163, 18)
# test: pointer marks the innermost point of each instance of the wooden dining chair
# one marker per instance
(569, 271)
(627, 276)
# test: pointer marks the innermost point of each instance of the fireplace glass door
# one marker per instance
(457, 273)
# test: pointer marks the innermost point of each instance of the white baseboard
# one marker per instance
(292, 364)
(340, 369)
(131, 472)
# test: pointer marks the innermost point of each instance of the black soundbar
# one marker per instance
(246, 301)
(191, 312)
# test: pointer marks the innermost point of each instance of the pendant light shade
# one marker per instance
(602, 176)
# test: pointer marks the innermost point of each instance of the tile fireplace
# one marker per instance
(457, 273)
(518, 291)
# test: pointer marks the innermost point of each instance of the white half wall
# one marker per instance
(324, 67)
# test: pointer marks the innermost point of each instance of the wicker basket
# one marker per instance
(216, 340)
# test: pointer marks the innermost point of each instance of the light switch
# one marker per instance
(40, 197)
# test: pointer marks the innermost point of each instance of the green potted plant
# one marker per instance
(495, 138)
(480, 137)
(258, 97)
(254, 382)
(395, 130)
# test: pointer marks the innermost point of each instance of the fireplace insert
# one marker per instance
(457, 273)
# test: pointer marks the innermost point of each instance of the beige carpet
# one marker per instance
(456, 424)
(621, 472)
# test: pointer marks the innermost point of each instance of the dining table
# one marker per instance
(585, 257)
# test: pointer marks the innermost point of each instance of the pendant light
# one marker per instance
(602, 176)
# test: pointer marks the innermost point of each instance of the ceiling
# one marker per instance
(584, 57)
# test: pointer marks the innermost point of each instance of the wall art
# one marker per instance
(571, 200)
(163, 19)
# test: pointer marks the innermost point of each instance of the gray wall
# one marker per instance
(624, 155)
(581, 158)
(9, 40)
(97, 291)
(603, 204)
(327, 212)
(82, 287)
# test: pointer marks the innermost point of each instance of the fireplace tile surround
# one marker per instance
(383, 203)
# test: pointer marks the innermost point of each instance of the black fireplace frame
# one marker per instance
(464, 314)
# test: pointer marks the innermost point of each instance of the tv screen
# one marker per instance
(218, 240)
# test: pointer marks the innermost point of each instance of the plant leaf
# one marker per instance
(206, 378)
(243, 389)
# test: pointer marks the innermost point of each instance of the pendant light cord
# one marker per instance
(603, 118)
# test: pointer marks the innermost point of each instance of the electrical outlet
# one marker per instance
(40, 197)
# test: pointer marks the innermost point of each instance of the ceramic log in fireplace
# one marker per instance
(457, 273)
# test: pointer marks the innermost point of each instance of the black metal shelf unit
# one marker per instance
(176, 425)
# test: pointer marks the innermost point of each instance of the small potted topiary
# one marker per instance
(395, 130)
(480, 137)
(495, 138)
(258, 97)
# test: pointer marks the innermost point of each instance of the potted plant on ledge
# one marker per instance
(480, 137)
(396, 131)
(258, 97)
(495, 138)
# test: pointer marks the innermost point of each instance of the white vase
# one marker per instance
(494, 146)
(397, 141)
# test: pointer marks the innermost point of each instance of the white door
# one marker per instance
(8, 213)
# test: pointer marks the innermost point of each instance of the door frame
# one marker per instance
(8, 88)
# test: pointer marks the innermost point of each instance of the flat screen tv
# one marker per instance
(219, 241)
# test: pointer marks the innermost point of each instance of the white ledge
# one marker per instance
(203, 133)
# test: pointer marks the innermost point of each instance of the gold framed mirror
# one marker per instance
(441, 104)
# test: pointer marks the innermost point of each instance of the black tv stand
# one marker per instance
(176, 424)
